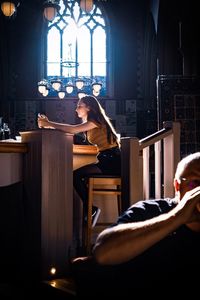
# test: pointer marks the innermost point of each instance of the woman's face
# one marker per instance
(82, 110)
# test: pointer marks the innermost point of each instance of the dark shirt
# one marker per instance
(172, 263)
(169, 261)
(144, 210)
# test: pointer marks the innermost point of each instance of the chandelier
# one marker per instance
(62, 86)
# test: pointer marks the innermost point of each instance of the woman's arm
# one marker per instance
(44, 122)
(123, 242)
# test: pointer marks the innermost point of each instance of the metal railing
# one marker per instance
(149, 164)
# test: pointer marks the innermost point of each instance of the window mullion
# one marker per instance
(76, 58)
(91, 54)
(61, 52)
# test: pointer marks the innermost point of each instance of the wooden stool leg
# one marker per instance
(105, 189)
(89, 216)
(119, 204)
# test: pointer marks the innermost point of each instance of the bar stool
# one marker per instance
(100, 184)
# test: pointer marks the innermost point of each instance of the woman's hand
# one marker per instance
(43, 122)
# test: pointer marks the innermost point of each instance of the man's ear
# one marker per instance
(176, 185)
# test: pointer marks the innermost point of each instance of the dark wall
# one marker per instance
(125, 33)
(20, 49)
(178, 38)
(27, 48)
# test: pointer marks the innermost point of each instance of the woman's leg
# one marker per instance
(80, 180)
(110, 162)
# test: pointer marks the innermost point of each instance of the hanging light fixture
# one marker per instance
(86, 5)
(9, 7)
(51, 8)
(66, 85)
(81, 86)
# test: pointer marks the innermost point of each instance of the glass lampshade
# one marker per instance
(81, 95)
(56, 84)
(96, 86)
(69, 88)
(51, 8)
(42, 86)
(79, 84)
(8, 8)
(50, 13)
(61, 94)
(86, 5)
(95, 93)
(46, 92)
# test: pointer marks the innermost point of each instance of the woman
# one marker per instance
(99, 131)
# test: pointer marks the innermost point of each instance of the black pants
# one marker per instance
(109, 163)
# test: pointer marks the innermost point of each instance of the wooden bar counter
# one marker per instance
(11, 161)
(83, 155)
(42, 166)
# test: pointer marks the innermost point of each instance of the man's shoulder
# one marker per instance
(159, 202)
(146, 209)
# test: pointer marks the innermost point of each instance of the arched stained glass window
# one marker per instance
(77, 46)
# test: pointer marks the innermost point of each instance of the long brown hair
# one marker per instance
(97, 114)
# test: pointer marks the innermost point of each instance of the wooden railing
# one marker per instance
(149, 164)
